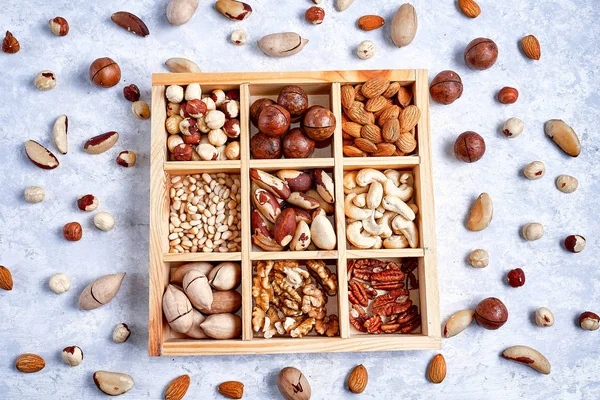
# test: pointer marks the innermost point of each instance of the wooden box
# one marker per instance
(323, 88)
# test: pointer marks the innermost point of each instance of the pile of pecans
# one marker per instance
(205, 213)
(388, 312)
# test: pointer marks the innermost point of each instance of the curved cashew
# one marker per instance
(372, 227)
(395, 242)
(360, 200)
(350, 180)
(374, 195)
(404, 192)
(386, 222)
(378, 242)
(393, 175)
(407, 178)
(414, 207)
(395, 204)
(356, 237)
(354, 212)
(367, 176)
(357, 190)
(379, 211)
(407, 228)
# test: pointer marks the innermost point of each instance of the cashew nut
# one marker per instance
(374, 195)
(404, 192)
(378, 242)
(360, 200)
(356, 237)
(372, 227)
(354, 212)
(386, 222)
(395, 242)
(369, 175)
(407, 228)
(407, 178)
(414, 207)
(379, 211)
(393, 175)
(395, 204)
(350, 180)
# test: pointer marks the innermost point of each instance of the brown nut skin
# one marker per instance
(469, 147)
(491, 313)
(265, 147)
(508, 95)
(72, 231)
(516, 277)
(285, 227)
(183, 152)
(274, 120)
(575, 243)
(318, 123)
(105, 72)
(481, 54)
(315, 15)
(194, 138)
(589, 321)
(257, 107)
(446, 87)
(297, 145)
(131, 93)
(59, 26)
(293, 99)
(232, 128)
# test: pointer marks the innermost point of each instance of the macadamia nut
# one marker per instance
(34, 194)
(104, 221)
(59, 283)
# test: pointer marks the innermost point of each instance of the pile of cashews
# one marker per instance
(378, 208)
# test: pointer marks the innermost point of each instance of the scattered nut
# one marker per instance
(370, 22)
(239, 37)
(533, 231)
(508, 95)
(528, 356)
(567, 183)
(404, 25)
(72, 231)
(315, 15)
(366, 49)
(126, 158)
(59, 26)
(458, 322)
(181, 65)
(10, 44)
(481, 213)
(45, 80)
(29, 363)
(544, 317)
(101, 143)
(59, 133)
(104, 72)
(113, 383)
(491, 313)
(88, 202)
(469, 147)
(231, 389)
(233, 9)
(469, 8)
(531, 47)
(40, 156)
(6, 280)
(534, 170)
(177, 388)
(516, 277)
(564, 136)
(130, 22)
(292, 383)
(72, 355)
(140, 109)
(180, 12)
(358, 379)
(121, 333)
(446, 87)
(575, 243)
(131, 93)
(100, 292)
(437, 369)
(589, 321)
(104, 221)
(282, 44)
(481, 54)
(479, 258)
(34, 194)
(513, 127)
(59, 283)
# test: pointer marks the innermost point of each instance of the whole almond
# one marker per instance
(348, 95)
(359, 96)
(385, 150)
(353, 151)
(358, 379)
(370, 22)
(352, 128)
(405, 96)
(375, 104)
(372, 133)
(358, 114)
(365, 145)
(531, 47)
(392, 90)
(130, 22)
(391, 130)
(409, 118)
(375, 87)
(232, 389)
(406, 142)
(29, 363)
(178, 387)
(469, 8)
(392, 112)
(437, 369)
(6, 281)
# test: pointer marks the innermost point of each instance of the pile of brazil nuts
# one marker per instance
(378, 209)
(205, 213)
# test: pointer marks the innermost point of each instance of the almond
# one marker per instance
(352, 151)
(359, 95)
(352, 128)
(177, 388)
(409, 118)
(365, 145)
(232, 389)
(469, 8)
(372, 133)
(130, 22)
(358, 379)
(391, 130)
(392, 112)
(6, 281)
(357, 114)
(385, 150)
(40, 156)
(377, 103)
(370, 22)
(374, 87)
(391, 90)
(348, 95)
(406, 142)
(30, 363)
(437, 369)
(531, 47)
(405, 96)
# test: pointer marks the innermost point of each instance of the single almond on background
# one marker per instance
(469, 8)
(370, 22)
(232, 389)
(437, 369)
(178, 387)
(531, 47)
(29, 363)
(6, 281)
(130, 22)
(358, 379)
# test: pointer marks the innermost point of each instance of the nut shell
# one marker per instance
(297, 145)
(274, 120)
(293, 99)
(481, 54)
(257, 107)
(293, 385)
(105, 72)
(446, 87)
(318, 123)
(491, 313)
(469, 147)
(265, 147)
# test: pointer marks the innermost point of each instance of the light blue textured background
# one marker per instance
(563, 85)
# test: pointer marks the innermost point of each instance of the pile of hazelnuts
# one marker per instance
(274, 118)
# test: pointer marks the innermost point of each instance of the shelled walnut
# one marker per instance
(205, 213)
(379, 120)
(379, 292)
(209, 124)
(291, 301)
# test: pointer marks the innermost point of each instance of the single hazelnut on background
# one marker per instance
(575, 243)
(104, 221)
(589, 321)
(88, 202)
(508, 95)
(239, 37)
(59, 283)
(366, 49)
(45, 80)
(34, 194)
(105, 72)
(127, 158)
(513, 127)
(479, 258)
(544, 317)
(140, 109)
(131, 93)
(446, 87)
(516, 277)
(481, 54)
(534, 170)
(59, 26)
(315, 15)
(72, 355)
(72, 231)
(469, 147)
(533, 231)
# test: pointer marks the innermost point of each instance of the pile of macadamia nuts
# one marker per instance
(202, 127)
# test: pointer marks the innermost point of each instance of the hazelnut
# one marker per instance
(210, 103)
(513, 127)
(218, 96)
(508, 95)
(207, 151)
(575, 243)
(173, 109)
(479, 258)
(366, 49)
(59, 26)
(201, 124)
(59, 283)
(217, 137)
(188, 126)
(446, 87)
(481, 54)
(195, 108)
(183, 152)
(126, 158)
(315, 15)
(297, 145)
(192, 139)
(174, 141)
(589, 321)
(10, 44)
(491, 313)
(232, 128)
(567, 183)
(318, 123)
(231, 108)
(193, 91)
(257, 107)
(104, 72)
(215, 119)
(174, 93)
(72, 231)
(274, 120)
(239, 37)
(534, 170)
(89, 202)
(232, 151)
(72, 355)
(533, 231)
(293, 99)
(45, 80)
(104, 221)
(131, 93)
(121, 333)
(469, 147)
(34, 194)
(544, 317)
(140, 109)
(265, 147)
(516, 277)
(233, 94)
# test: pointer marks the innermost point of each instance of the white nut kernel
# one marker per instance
(533, 231)
(534, 170)
(567, 183)
(366, 49)
(34, 194)
(121, 333)
(239, 37)
(72, 355)
(174, 93)
(45, 80)
(544, 317)
(513, 127)
(59, 283)
(104, 221)
(479, 258)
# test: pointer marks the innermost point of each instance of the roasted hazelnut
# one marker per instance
(274, 120)
(140, 109)
(315, 15)
(532, 231)
(72, 231)
(516, 277)
(218, 96)
(469, 147)
(45, 80)
(214, 119)
(256, 108)
(59, 26)
(105, 72)
(265, 147)
(534, 170)
(481, 54)
(232, 151)
(121, 333)
(183, 152)
(575, 243)
(233, 94)
(126, 158)
(232, 128)
(297, 145)
(131, 92)
(72, 355)
(508, 95)
(293, 99)
(491, 313)
(589, 321)
(318, 123)
(174, 141)
(188, 126)
(195, 108)
(446, 87)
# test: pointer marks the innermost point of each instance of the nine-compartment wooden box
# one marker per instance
(322, 88)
